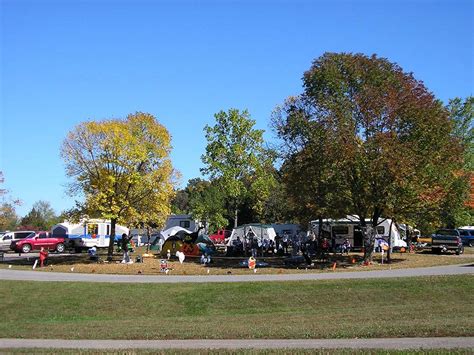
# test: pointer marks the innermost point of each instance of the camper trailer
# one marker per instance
(349, 228)
(88, 233)
(290, 229)
(181, 220)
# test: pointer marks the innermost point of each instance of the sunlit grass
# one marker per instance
(427, 306)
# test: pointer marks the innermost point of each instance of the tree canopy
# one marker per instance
(40, 217)
(237, 161)
(457, 209)
(122, 169)
(8, 216)
(388, 148)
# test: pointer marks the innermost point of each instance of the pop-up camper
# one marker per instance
(88, 233)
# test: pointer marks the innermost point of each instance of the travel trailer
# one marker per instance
(287, 228)
(349, 228)
(181, 220)
(88, 233)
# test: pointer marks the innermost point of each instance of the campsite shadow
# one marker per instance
(280, 262)
(29, 259)
(54, 259)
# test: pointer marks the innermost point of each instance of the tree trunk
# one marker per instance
(389, 252)
(236, 212)
(370, 236)
(320, 230)
(148, 237)
(110, 252)
(365, 237)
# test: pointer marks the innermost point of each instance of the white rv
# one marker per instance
(185, 221)
(287, 228)
(349, 228)
(88, 233)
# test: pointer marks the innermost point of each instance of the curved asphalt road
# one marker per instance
(381, 343)
(7, 274)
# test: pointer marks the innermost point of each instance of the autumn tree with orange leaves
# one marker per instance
(388, 149)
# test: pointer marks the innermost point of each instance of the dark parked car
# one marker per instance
(467, 236)
(37, 241)
(447, 239)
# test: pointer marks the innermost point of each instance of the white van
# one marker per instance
(6, 238)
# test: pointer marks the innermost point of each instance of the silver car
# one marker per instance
(6, 238)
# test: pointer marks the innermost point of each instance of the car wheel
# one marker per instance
(471, 243)
(26, 248)
(60, 248)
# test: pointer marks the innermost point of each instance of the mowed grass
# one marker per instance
(411, 307)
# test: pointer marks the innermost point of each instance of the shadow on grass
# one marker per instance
(221, 263)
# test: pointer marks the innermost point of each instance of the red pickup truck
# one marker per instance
(35, 242)
(220, 236)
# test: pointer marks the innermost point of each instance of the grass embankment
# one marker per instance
(412, 307)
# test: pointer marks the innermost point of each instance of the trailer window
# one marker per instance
(108, 229)
(381, 230)
(340, 230)
(92, 228)
(184, 224)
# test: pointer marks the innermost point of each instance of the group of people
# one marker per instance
(252, 245)
(286, 244)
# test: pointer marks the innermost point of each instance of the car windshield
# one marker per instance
(447, 232)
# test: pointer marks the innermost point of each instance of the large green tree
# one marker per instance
(309, 170)
(207, 203)
(237, 160)
(457, 209)
(40, 217)
(462, 115)
(8, 216)
(390, 150)
(122, 169)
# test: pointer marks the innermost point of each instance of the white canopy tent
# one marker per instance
(261, 231)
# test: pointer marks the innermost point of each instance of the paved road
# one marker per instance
(382, 343)
(7, 274)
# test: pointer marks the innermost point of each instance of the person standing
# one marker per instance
(43, 256)
(126, 257)
(254, 245)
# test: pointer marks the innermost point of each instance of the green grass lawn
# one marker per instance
(412, 307)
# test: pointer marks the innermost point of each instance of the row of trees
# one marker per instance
(363, 138)
(40, 217)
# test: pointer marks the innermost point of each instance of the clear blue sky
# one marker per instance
(63, 62)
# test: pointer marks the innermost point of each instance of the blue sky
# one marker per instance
(64, 62)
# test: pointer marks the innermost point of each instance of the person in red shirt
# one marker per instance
(43, 256)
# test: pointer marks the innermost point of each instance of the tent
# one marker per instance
(160, 240)
(181, 239)
(173, 244)
(261, 231)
